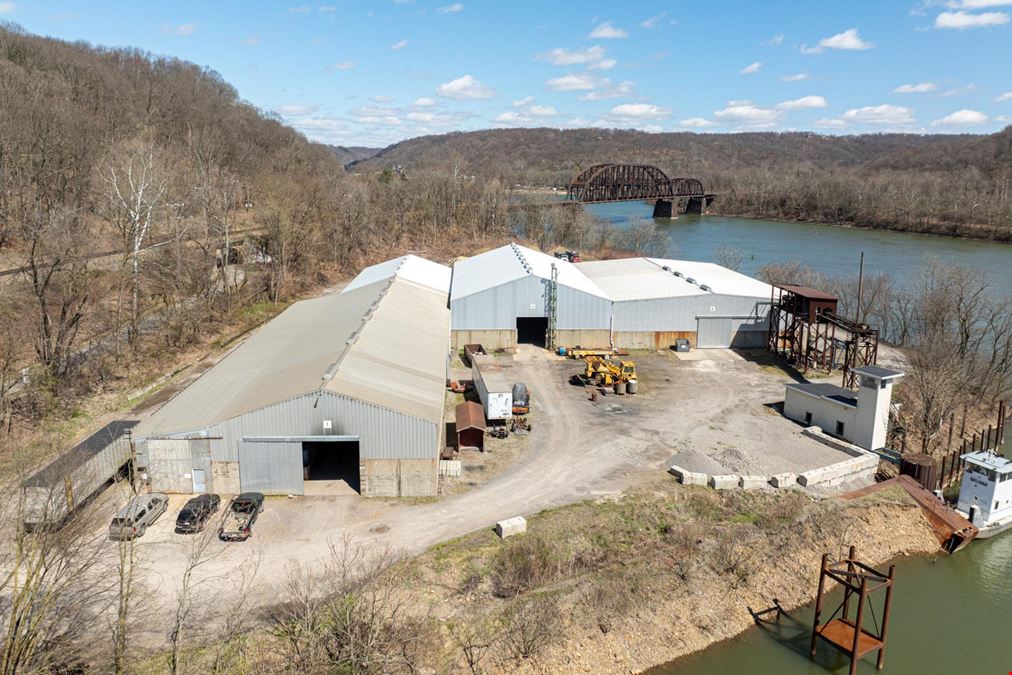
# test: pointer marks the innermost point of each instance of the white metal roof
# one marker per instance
(408, 267)
(637, 279)
(511, 262)
(719, 279)
(385, 343)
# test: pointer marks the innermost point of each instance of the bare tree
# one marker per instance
(136, 185)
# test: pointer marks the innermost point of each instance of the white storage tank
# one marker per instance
(495, 392)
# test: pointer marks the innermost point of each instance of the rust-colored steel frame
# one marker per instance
(627, 182)
(846, 634)
(817, 345)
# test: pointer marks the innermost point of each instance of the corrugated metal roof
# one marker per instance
(511, 262)
(376, 343)
(637, 279)
(398, 359)
(806, 292)
(719, 279)
(408, 267)
(470, 415)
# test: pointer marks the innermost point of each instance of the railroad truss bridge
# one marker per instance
(640, 182)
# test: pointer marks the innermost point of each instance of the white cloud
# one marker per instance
(751, 68)
(295, 110)
(603, 64)
(1003, 119)
(521, 102)
(380, 98)
(796, 77)
(450, 9)
(640, 111)
(579, 82)
(376, 115)
(879, 114)
(919, 88)
(1007, 96)
(465, 88)
(654, 21)
(399, 45)
(181, 29)
(959, 90)
(803, 102)
(848, 39)
(697, 123)
(568, 57)
(607, 31)
(7, 7)
(424, 102)
(962, 118)
(513, 117)
(543, 111)
(747, 113)
(777, 39)
(343, 65)
(963, 20)
(831, 123)
(624, 88)
(977, 4)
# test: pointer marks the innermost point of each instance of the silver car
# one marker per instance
(133, 519)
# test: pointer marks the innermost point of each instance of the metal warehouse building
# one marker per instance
(657, 301)
(347, 386)
(501, 297)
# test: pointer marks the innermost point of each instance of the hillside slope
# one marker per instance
(552, 156)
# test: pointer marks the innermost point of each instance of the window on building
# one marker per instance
(839, 428)
(808, 418)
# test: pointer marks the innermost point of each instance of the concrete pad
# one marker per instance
(753, 482)
(688, 477)
(783, 480)
(511, 526)
(725, 482)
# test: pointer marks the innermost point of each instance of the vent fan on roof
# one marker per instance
(678, 274)
(666, 268)
(705, 287)
(690, 280)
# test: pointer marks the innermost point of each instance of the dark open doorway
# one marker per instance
(532, 330)
(331, 461)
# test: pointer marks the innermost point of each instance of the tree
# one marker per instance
(136, 186)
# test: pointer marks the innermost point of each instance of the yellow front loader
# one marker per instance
(606, 372)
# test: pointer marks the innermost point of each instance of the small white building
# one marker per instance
(861, 418)
(985, 495)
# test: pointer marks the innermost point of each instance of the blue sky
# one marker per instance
(373, 72)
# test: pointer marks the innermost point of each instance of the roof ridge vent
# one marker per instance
(690, 280)
(705, 287)
(333, 368)
(677, 273)
(522, 258)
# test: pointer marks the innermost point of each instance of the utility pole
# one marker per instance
(553, 293)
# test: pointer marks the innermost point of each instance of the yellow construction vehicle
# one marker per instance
(606, 372)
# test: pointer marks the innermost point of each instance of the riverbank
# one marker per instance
(969, 232)
(615, 585)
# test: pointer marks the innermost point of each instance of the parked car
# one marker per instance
(242, 513)
(141, 511)
(196, 512)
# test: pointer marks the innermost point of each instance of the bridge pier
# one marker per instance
(664, 208)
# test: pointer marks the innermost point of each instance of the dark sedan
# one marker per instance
(196, 512)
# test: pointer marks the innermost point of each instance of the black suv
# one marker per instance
(196, 512)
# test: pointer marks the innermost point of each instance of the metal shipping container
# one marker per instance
(495, 392)
(54, 492)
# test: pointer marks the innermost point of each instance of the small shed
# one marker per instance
(470, 426)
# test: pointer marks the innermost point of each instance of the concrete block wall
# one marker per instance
(490, 339)
(399, 477)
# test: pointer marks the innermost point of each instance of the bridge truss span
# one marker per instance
(612, 182)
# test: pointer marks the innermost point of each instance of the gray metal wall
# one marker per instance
(385, 434)
(680, 314)
(730, 331)
(498, 308)
(271, 468)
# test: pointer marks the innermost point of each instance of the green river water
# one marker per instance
(951, 614)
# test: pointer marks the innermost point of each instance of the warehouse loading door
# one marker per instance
(330, 467)
(532, 330)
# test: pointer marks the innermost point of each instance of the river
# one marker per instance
(831, 249)
(950, 614)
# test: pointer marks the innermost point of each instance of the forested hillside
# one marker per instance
(347, 155)
(950, 184)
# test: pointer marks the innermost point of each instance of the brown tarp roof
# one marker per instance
(806, 292)
(470, 416)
